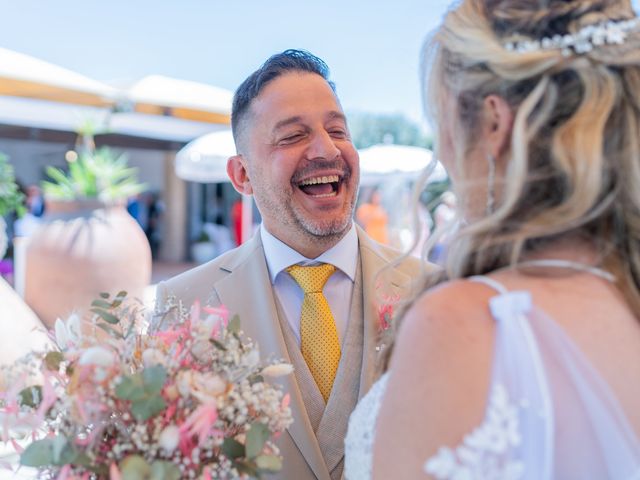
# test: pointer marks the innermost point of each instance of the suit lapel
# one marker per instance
(247, 291)
(380, 286)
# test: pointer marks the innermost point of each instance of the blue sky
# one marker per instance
(372, 47)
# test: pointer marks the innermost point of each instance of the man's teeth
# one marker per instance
(319, 180)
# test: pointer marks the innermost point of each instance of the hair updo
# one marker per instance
(573, 164)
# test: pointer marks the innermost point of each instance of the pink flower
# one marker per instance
(114, 472)
(385, 315)
(200, 422)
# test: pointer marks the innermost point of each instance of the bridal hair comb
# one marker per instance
(582, 41)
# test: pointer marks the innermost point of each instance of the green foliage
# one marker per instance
(135, 467)
(257, 435)
(31, 396)
(143, 390)
(370, 129)
(11, 199)
(52, 451)
(96, 174)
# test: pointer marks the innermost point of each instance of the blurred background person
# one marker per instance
(372, 216)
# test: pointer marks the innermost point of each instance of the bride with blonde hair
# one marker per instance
(522, 359)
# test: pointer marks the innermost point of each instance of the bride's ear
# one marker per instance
(498, 124)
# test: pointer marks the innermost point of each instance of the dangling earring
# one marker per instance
(491, 179)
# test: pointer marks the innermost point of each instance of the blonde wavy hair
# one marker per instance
(573, 163)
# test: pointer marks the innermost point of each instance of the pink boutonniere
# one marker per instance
(385, 317)
(385, 314)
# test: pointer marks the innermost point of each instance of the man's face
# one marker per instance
(302, 167)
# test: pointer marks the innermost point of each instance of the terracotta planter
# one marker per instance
(84, 248)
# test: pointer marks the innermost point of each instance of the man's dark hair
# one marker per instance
(278, 64)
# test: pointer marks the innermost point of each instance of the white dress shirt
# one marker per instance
(337, 290)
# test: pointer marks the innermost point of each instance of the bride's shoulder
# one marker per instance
(450, 320)
(453, 304)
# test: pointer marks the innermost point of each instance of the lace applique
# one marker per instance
(484, 452)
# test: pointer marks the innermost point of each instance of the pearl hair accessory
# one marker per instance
(582, 41)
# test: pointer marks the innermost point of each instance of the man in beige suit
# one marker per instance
(295, 156)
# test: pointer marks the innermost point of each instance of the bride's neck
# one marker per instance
(572, 250)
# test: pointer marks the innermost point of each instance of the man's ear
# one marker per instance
(498, 118)
(239, 175)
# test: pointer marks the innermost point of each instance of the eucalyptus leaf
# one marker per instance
(130, 387)
(219, 345)
(161, 470)
(52, 360)
(232, 449)
(134, 467)
(269, 463)
(30, 396)
(119, 298)
(101, 304)
(38, 454)
(257, 435)
(106, 316)
(154, 378)
(110, 330)
(234, 324)
(146, 408)
(247, 467)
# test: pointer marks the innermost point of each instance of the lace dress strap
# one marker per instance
(491, 283)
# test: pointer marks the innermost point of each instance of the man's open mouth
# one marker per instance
(320, 187)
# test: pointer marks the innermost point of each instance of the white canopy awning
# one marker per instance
(25, 76)
(157, 94)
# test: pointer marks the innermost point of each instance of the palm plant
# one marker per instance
(94, 174)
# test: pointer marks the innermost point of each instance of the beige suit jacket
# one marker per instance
(239, 280)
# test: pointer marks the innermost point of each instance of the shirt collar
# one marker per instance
(279, 256)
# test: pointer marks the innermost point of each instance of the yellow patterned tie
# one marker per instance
(319, 338)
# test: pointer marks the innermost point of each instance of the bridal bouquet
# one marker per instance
(187, 401)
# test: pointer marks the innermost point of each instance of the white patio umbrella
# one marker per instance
(378, 162)
(204, 160)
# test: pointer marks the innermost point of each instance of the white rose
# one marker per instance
(202, 350)
(98, 356)
(184, 382)
(151, 357)
(169, 438)
(210, 384)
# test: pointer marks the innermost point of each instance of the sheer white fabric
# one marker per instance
(549, 414)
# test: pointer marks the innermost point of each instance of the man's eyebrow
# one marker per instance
(287, 121)
(337, 115)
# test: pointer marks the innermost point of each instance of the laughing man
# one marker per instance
(305, 285)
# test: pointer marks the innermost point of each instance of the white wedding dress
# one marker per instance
(549, 414)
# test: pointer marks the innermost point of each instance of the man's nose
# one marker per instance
(323, 147)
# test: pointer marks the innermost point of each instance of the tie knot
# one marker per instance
(311, 279)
